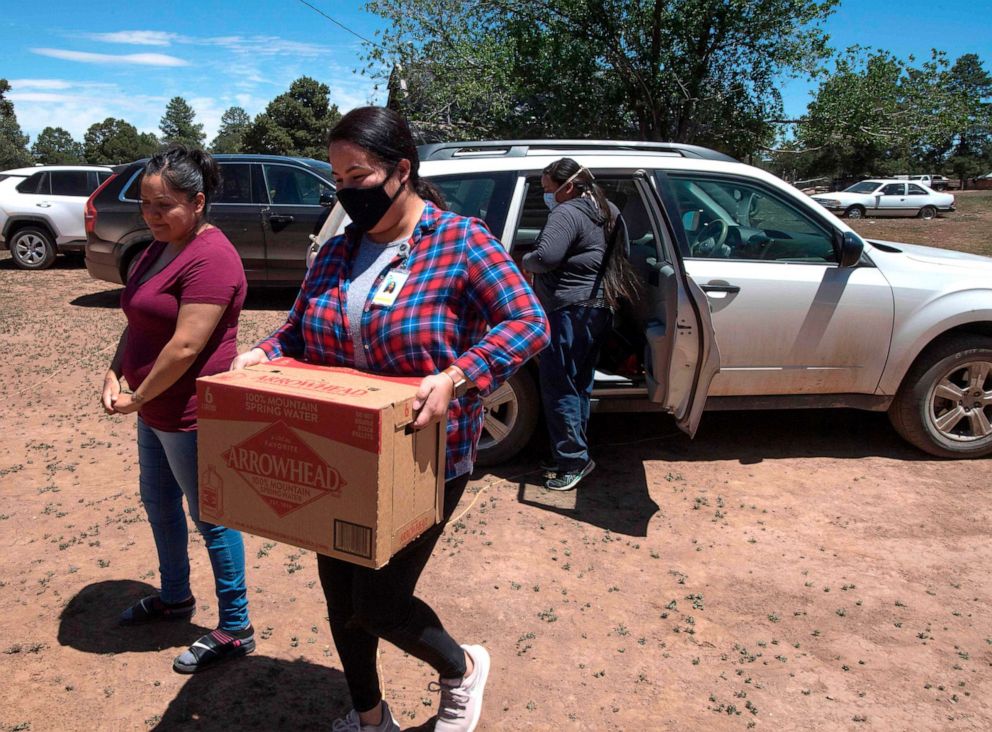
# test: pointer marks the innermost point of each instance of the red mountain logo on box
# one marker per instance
(285, 472)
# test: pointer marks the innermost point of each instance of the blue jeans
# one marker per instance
(167, 462)
(567, 369)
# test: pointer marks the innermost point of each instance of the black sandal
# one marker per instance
(151, 609)
(216, 646)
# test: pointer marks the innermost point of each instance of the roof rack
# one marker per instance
(522, 148)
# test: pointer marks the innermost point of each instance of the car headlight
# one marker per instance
(828, 202)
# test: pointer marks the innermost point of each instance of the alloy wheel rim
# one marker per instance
(959, 406)
(500, 416)
(30, 249)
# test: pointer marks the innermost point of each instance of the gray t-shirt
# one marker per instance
(372, 258)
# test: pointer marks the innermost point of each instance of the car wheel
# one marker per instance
(130, 259)
(928, 212)
(511, 414)
(855, 212)
(32, 248)
(944, 405)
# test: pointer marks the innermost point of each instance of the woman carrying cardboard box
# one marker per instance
(408, 289)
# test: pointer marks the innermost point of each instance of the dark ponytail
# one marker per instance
(386, 136)
(187, 170)
(618, 280)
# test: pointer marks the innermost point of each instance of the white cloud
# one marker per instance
(135, 37)
(16, 84)
(141, 59)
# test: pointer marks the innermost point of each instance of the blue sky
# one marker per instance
(73, 63)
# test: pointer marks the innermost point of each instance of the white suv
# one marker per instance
(806, 313)
(41, 210)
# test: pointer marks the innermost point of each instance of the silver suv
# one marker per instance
(41, 210)
(806, 313)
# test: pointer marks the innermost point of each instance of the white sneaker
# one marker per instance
(461, 699)
(351, 723)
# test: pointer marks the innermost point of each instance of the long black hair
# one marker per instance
(187, 170)
(618, 279)
(387, 137)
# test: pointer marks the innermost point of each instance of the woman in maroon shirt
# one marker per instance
(182, 302)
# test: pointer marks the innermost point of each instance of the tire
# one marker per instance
(855, 212)
(512, 413)
(928, 212)
(130, 258)
(944, 405)
(32, 247)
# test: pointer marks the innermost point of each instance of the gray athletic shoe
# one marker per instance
(566, 481)
(351, 723)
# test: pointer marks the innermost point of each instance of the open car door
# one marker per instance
(681, 356)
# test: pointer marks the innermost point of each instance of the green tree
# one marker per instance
(178, 124)
(116, 141)
(970, 146)
(233, 125)
(875, 114)
(702, 71)
(294, 123)
(13, 142)
(54, 145)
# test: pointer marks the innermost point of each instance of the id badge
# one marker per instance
(390, 287)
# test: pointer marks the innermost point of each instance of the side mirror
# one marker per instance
(690, 220)
(326, 198)
(851, 247)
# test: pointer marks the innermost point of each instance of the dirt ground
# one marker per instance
(782, 571)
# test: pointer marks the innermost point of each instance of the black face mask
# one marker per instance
(367, 206)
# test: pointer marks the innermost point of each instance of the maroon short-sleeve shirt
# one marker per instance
(207, 270)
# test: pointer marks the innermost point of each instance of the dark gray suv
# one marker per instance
(267, 206)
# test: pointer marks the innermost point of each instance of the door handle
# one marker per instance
(281, 219)
(43, 204)
(720, 288)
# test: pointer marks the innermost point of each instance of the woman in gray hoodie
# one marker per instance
(581, 275)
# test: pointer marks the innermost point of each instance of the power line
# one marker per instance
(341, 25)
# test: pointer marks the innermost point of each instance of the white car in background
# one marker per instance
(41, 210)
(885, 197)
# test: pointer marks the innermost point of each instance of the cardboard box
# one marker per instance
(321, 458)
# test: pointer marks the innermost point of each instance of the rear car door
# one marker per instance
(293, 213)
(237, 211)
(681, 357)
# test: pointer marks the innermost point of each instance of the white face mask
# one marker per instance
(549, 198)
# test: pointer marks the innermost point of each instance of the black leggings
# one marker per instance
(365, 605)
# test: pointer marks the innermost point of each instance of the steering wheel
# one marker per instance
(716, 231)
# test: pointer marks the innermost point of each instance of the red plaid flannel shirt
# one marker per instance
(465, 303)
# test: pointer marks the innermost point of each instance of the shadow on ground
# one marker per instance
(71, 260)
(89, 622)
(104, 299)
(616, 496)
(259, 693)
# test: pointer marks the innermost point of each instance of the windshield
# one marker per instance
(865, 186)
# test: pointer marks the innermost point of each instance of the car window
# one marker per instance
(865, 186)
(133, 190)
(619, 190)
(485, 196)
(235, 184)
(732, 219)
(102, 177)
(289, 186)
(915, 190)
(894, 189)
(70, 183)
(36, 183)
